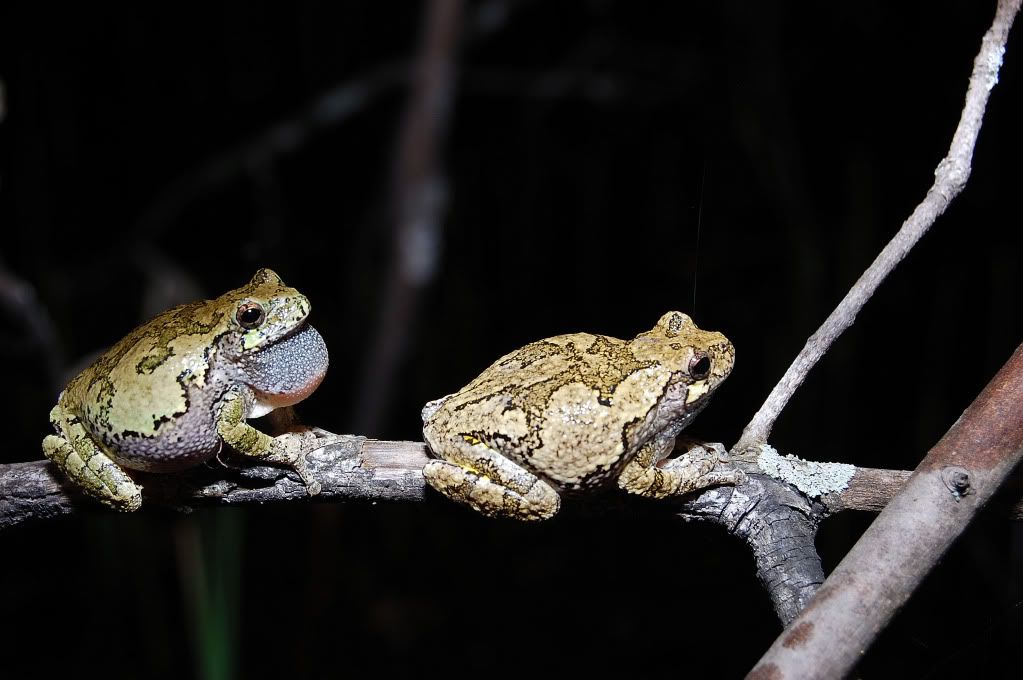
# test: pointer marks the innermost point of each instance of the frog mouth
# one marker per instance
(288, 370)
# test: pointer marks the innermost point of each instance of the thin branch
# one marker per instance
(329, 109)
(870, 489)
(418, 199)
(949, 179)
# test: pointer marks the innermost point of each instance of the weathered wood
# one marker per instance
(359, 469)
(353, 468)
(953, 482)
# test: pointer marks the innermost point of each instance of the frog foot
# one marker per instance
(293, 449)
(489, 483)
(701, 466)
(489, 496)
(94, 473)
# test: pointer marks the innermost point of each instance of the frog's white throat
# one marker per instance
(260, 408)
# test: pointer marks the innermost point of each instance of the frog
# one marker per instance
(580, 413)
(172, 392)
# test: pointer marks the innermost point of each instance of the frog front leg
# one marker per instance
(288, 449)
(696, 469)
(75, 453)
(474, 474)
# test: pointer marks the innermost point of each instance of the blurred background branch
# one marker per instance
(417, 204)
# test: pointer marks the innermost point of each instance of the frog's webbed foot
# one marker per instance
(93, 471)
(295, 446)
(298, 444)
(700, 467)
(489, 483)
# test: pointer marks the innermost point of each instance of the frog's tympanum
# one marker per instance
(573, 413)
(169, 394)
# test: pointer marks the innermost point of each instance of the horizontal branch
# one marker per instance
(353, 469)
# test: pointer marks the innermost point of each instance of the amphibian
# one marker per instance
(166, 396)
(577, 412)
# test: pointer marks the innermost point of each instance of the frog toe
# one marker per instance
(95, 474)
(489, 497)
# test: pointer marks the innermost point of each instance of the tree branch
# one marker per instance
(776, 517)
(778, 523)
(953, 482)
(354, 468)
(949, 179)
(358, 469)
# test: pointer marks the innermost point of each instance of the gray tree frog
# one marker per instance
(166, 396)
(575, 412)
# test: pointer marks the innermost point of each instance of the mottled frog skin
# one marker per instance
(576, 412)
(167, 396)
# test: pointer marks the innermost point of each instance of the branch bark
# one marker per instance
(778, 523)
(773, 517)
(953, 482)
(949, 179)
(359, 469)
(354, 468)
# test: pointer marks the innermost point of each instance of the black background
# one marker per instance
(602, 157)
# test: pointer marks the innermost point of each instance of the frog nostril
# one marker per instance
(699, 367)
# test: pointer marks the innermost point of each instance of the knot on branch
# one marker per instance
(950, 176)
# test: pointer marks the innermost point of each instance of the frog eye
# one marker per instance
(699, 367)
(250, 315)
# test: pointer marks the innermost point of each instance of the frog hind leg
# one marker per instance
(700, 467)
(85, 464)
(477, 476)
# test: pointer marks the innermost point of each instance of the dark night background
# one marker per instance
(601, 157)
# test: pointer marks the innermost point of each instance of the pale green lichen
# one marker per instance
(812, 478)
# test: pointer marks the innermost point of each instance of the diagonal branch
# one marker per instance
(953, 482)
(949, 179)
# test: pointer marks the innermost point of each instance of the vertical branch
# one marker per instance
(417, 204)
(949, 179)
